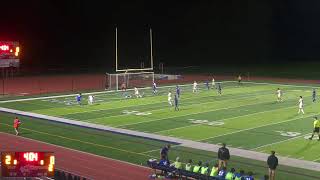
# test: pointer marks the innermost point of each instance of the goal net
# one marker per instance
(129, 80)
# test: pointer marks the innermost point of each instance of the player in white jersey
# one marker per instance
(213, 84)
(301, 105)
(169, 98)
(279, 95)
(90, 99)
(195, 87)
(136, 93)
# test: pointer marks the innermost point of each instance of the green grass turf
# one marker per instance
(133, 149)
(250, 116)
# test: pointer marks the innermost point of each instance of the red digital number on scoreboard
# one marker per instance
(27, 164)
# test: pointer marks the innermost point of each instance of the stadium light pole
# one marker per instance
(151, 49)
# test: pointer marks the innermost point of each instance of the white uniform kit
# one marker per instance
(90, 99)
(279, 93)
(195, 85)
(301, 106)
(136, 93)
(213, 83)
(169, 99)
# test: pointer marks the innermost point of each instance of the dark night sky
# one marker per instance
(64, 33)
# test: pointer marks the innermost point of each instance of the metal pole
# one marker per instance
(116, 53)
(151, 51)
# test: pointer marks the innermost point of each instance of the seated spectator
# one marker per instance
(205, 169)
(177, 164)
(239, 176)
(230, 175)
(222, 173)
(164, 161)
(265, 177)
(196, 168)
(249, 176)
(214, 170)
(189, 165)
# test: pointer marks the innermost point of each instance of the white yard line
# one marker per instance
(52, 108)
(317, 159)
(110, 91)
(70, 95)
(190, 113)
(278, 142)
(133, 105)
(293, 119)
(159, 109)
(212, 110)
(227, 118)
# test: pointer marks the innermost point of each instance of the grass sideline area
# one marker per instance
(132, 149)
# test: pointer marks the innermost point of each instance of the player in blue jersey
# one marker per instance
(240, 175)
(249, 176)
(78, 98)
(219, 88)
(154, 87)
(206, 83)
(176, 102)
(178, 91)
(222, 173)
(314, 95)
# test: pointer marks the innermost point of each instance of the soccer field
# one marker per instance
(246, 116)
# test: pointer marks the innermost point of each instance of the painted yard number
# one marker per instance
(289, 134)
(138, 113)
(206, 122)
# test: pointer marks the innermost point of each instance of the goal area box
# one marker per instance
(129, 80)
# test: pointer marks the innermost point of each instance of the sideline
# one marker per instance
(186, 143)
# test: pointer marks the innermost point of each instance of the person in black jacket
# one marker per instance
(164, 152)
(223, 156)
(272, 164)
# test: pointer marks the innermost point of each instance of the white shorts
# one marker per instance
(300, 106)
(169, 99)
(279, 95)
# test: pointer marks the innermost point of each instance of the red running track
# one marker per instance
(77, 162)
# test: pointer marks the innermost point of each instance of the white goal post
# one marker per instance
(129, 80)
(133, 69)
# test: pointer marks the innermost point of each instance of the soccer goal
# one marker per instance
(129, 80)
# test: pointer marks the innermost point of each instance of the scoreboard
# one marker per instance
(27, 164)
(9, 54)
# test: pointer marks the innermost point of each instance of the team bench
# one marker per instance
(180, 173)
